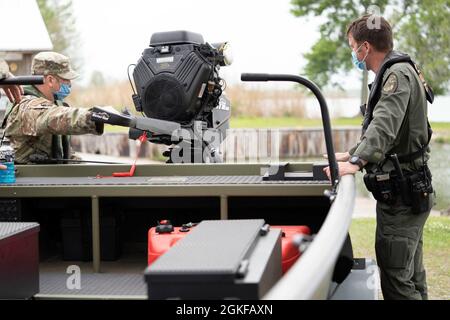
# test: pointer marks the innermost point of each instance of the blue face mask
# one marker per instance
(361, 65)
(63, 92)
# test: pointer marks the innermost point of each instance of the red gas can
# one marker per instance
(289, 252)
(163, 237)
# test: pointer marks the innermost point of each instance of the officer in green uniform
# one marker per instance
(393, 149)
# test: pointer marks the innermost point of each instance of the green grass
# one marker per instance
(283, 122)
(115, 129)
(292, 122)
(436, 251)
(289, 122)
(440, 126)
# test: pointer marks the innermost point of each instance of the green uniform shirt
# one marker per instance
(399, 122)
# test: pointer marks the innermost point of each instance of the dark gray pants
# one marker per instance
(398, 246)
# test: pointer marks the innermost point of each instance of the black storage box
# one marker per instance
(19, 260)
(231, 259)
(77, 239)
(10, 210)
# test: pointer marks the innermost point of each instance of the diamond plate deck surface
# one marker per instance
(166, 180)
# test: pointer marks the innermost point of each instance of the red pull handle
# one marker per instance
(142, 139)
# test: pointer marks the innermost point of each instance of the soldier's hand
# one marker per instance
(14, 93)
(340, 156)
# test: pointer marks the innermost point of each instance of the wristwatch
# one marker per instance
(357, 161)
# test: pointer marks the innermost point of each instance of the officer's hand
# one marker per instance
(14, 93)
(340, 156)
(2, 167)
(345, 168)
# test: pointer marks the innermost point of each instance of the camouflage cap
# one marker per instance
(45, 63)
(4, 69)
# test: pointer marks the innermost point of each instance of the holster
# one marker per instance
(382, 187)
(414, 190)
(421, 189)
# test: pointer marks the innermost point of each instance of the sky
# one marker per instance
(264, 35)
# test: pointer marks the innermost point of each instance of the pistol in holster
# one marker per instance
(421, 190)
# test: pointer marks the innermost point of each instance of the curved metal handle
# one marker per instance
(334, 169)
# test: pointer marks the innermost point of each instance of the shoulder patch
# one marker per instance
(391, 84)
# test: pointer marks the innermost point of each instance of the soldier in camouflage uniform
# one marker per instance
(38, 126)
(14, 93)
(395, 123)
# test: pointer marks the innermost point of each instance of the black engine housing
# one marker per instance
(176, 77)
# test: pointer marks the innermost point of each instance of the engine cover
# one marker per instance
(172, 77)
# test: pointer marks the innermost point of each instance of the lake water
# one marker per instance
(440, 169)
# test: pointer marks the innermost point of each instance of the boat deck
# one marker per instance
(119, 280)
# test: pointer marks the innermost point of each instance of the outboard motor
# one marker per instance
(177, 80)
(180, 95)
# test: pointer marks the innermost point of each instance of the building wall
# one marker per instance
(19, 63)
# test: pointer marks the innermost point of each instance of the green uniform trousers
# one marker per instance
(398, 246)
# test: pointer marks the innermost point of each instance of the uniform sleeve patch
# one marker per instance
(391, 84)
